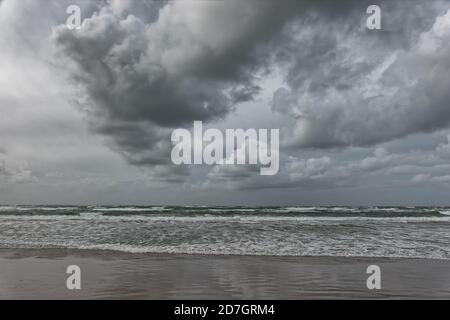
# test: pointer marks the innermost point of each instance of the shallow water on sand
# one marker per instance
(40, 274)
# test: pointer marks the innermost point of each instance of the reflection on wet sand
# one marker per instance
(40, 274)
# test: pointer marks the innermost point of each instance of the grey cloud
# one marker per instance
(140, 73)
(15, 175)
(443, 150)
(193, 60)
(354, 88)
(144, 74)
(189, 64)
(327, 172)
(164, 65)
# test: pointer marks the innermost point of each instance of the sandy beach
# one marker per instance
(40, 274)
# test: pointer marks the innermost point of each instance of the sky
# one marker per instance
(86, 115)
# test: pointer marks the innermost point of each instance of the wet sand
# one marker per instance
(41, 274)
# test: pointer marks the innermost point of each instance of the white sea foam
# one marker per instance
(212, 218)
(22, 208)
(90, 214)
(345, 209)
(391, 210)
(129, 209)
(232, 210)
(223, 249)
(292, 209)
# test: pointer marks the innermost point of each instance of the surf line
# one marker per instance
(242, 147)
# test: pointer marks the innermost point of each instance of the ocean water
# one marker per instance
(419, 232)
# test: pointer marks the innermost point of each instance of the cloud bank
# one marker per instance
(356, 108)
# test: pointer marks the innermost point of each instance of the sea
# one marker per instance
(400, 232)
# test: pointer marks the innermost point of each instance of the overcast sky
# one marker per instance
(86, 115)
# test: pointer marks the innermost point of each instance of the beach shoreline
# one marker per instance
(41, 274)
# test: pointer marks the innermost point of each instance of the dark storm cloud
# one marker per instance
(148, 67)
(196, 60)
(356, 87)
(141, 72)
